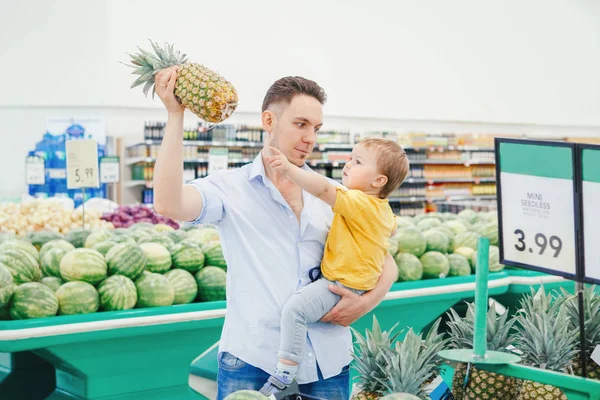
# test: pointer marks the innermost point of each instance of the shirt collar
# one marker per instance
(258, 168)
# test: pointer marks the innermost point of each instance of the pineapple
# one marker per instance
(411, 364)
(197, 88)
(591, 305)
(547, 340)
(481, 384)
(368, 356)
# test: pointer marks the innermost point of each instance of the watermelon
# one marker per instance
(163, 228)
(187, 256)
(20, 245)
(96, 237)
(85, 265)
(126, 259)
(77, 298)
(203, 235)
(405, 222)
(468, 215)
(33, 300)
(213, 255)
(393, 246)
(4, 236)
(459, 265)
(409, 267)
(164, 240)
(121, 239)
(142, 226)
(428, 223)
(400, 396)
(490, 231)
(4, 313)
(140, 233)
(211, 284)
(435, 265)
(466, 239)
(411, 240)
(59, 243)
(104, 247)
(7, 286)
(493, 258)
(52, 282)
(38, 239)
(176, 236)
(246, 395)
(158, 258)
(448, 216)
(184, 285)
(437, 241)
(50, 262)
(154, 290)
(77, 237)
(23, 267)
(456, 226)
(117, 292)
(466, 252)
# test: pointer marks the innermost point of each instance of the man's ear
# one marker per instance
(380, 181)
(268, 120)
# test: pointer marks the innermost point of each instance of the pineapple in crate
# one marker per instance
(481, 384)
(547, 340)
(199, 89)
(396, 369)
(591, 306)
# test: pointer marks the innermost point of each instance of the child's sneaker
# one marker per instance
(277, 389)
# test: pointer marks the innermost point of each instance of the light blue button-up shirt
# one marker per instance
(268, 256)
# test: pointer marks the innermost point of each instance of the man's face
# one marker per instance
(295, 128)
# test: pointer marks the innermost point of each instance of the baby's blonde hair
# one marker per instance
(391, 162)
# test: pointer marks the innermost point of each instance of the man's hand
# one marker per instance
(164, 86)
(278, 161)
(350, 307)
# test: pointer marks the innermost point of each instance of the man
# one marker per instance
(273, 235)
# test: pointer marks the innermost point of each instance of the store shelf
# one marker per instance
(202, 143)
(131, 184)
(136, 160)
(417, 199)
(451, 162)
(449, 180)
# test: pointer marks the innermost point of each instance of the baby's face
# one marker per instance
(361, 171)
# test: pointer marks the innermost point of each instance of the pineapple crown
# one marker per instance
(591, 307)
(410, 363)
(146, 64)
(369, 355)
(545, 336)
(498, 334)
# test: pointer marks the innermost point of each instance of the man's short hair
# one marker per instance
(284, 90)
(391, 162)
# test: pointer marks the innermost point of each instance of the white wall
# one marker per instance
(466, 66)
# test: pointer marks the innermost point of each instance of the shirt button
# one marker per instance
(310, 354)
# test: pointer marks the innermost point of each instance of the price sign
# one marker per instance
(82, 163)
(590, 188)
(35, 171)
(537, 205)
(109, 170)
(218, 159)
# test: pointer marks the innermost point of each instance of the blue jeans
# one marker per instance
(235, 374)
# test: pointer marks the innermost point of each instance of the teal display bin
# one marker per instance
(132, 354)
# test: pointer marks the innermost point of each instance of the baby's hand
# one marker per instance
(278, 161)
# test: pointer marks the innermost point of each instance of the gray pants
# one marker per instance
(307, 306)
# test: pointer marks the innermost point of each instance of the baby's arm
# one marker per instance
(313, 183)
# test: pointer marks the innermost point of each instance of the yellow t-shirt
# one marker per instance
(358, 239)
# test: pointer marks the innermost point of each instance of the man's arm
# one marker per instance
(315, 184)
(171, 197)
(352, 306)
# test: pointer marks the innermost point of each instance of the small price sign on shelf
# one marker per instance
(109, 170)
(35, 171)
(218, 159)
(537, 204)
(590, 193)
(82, 164)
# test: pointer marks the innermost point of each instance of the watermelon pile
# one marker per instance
(437, 245)
(144, 265)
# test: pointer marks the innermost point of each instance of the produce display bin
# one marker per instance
(146, 353)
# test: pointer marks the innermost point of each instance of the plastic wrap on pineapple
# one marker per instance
(198, 88)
